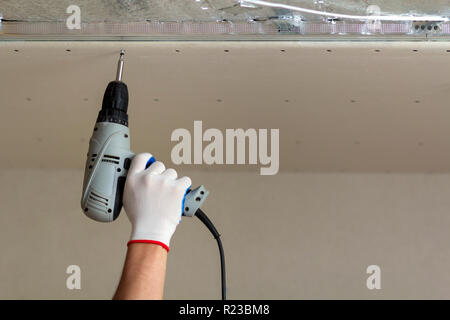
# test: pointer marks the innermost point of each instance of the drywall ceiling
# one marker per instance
(345, 107)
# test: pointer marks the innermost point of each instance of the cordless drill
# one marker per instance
(109, 158)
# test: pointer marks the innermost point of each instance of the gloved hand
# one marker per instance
(153, 200)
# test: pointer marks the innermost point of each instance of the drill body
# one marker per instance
(109, 154)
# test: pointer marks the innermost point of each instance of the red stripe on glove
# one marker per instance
(149, 241)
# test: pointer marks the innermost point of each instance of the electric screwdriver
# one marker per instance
(109, 158)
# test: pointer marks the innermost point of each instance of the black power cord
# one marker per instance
(203, 218)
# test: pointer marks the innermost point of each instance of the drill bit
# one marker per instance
(120, 66)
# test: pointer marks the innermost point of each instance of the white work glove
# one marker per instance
(153, 200)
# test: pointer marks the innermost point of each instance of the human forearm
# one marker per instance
(143, 273)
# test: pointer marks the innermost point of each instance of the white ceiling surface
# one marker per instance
(340, 107)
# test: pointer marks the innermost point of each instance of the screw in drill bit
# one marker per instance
(120, 65)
